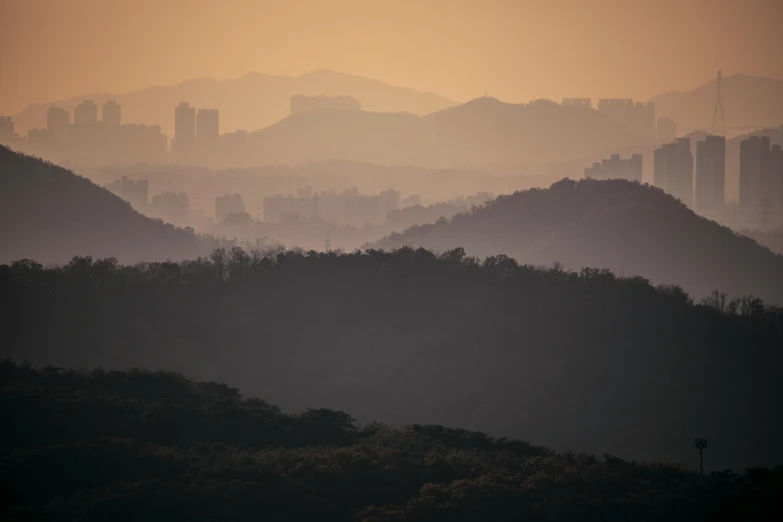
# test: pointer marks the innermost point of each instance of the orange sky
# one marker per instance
(519, 50)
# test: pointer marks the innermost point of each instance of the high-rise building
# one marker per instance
(754, 156)
(6, 125)
(228, 204)
(58, 125)
(7, 135)
(134, 192)
(666, 129)
(171, 207)
(111, 114)
(85, 114)
(761, 181)
(184, 129)
(673, 170)
(207, 126)
(616, 168)
(710, 173)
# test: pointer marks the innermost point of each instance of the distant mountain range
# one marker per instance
(626, 227)
(50, 215)
(748, 101)
(482, 133)
(251, 102)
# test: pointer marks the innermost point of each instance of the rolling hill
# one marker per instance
(626, 227)
(586, 361)
(49, 214)
(251, 102)
(140, 445)
(484, 132)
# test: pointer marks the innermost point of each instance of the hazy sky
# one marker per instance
(519, 50)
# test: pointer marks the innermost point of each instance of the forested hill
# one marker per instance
(582, 360)
(620, 225)
(50, 214)
(138, 445)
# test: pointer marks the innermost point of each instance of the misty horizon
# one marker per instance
(356, 261)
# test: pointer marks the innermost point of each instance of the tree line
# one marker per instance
(129, 445)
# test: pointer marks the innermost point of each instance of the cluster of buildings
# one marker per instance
(636, 116)
(135, 192)
(348, 207)
(617, 168)
(196, 134)
(699, 180)
(90, 138)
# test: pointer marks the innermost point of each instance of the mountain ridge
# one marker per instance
(620, 225)
(271, 93)
(50, 214)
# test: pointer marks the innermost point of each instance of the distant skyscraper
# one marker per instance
(112, 114)
(710, 173)
(85, 114)
(184, 129)
(58, 125)
(207, 126)
(228, 204)
(616, 168)
(673, 170)
(7, 134)
(6, 125)
(760, 173)
(134, 192)
(666, 129)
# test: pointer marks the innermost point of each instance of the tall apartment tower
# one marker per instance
(761, 180)
(207, 126)
(184, 129)
(85, 114)
(710, 173)
(58, 125)
(673, 170)
(111, 114)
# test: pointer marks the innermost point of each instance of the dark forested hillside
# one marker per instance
(139, 445)
(582, 360)
(50, 214)
(620, 225)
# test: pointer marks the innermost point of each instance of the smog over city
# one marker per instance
(429, 260)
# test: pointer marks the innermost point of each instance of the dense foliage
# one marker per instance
(620, 225)
(583, 360)
(140, 445)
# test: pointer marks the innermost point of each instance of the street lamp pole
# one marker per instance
(701, 443)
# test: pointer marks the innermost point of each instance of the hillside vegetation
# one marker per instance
(50, 214)
(623, 226)
(584, 360)
(138, 445)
